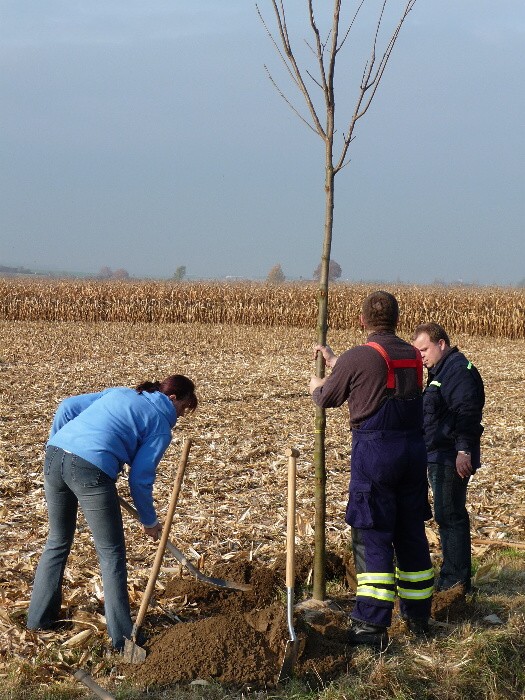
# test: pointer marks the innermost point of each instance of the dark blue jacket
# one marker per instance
(453, 405)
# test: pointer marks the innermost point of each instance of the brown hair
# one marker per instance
(177, 384)
(434, 331)
(380, 311)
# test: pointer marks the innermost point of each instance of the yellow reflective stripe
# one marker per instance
(415, 595)
(373, 592)
(435, 383)
(414, 575)
(469, 366)
(388, 578)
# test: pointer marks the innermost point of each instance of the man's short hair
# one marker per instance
(380, 311)
(434, 331)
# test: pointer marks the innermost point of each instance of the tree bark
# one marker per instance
(319, 577)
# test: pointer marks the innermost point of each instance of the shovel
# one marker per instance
(292, 645)
(182, 559)
(87, 680)
(133, 653)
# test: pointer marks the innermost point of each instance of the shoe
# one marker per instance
(418, 626)
(368, 635)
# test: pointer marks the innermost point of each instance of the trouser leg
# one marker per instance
(414, 572)
(374, 563)
(98, 499)
(371, 512)
(450, 512)
(46, 597)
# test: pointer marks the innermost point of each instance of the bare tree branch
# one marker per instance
(292, 66)
(314, 80)
(369, 81)
(277, 48)
(294, 109)
(333, 52)
(319, 46)
(374, 82)
(351, 25)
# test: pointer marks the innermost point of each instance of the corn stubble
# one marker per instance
(251, 378)
(482, 311)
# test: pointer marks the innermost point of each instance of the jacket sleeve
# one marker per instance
(336, 389)
(70, 408)
(142, 474)
(463, 394)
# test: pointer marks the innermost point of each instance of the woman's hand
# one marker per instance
(154, 532)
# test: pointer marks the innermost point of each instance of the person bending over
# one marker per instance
(92, 437)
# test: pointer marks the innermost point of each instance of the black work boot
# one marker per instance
(418, 626)
(367, 634)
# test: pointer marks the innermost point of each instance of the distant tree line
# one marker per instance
(276, 274)
(5, 270)
(106, 273)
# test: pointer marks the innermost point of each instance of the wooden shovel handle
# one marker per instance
(165, 535)
(292, 454)
(87, 680)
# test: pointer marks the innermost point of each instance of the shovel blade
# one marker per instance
(290, 657)
(133, 653)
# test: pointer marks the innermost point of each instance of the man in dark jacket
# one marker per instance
(382, 382)
(453, 404)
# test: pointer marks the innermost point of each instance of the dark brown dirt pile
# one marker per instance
(225, 648)
(238, 638)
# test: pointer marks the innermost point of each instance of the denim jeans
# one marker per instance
(69, 481)
(450, 513)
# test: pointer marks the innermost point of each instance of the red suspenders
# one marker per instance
(392, 365)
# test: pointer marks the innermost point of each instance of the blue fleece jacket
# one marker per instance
(115, 427)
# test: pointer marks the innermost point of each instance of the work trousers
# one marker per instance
(450, 495)
(69, 481)
(387, 509)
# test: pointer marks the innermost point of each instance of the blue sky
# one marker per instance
(146, 136)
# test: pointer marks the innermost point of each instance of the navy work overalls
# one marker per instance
(387, 508)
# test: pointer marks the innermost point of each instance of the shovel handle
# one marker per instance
(163, 539)
(87, 680)
(182, 559)
(292, 454)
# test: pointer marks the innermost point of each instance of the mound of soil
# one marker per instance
(238, 638)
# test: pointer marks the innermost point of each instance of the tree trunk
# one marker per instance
(319, 579)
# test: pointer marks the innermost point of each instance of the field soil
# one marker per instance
(239, 638)
(231, 517)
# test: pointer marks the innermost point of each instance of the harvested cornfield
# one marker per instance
(481, 311)
(252, 386)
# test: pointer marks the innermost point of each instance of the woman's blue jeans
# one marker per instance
(450, 513)
(69, 481)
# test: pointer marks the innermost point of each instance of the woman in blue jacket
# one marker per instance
(92, 437)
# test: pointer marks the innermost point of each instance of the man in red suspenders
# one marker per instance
(388, 501)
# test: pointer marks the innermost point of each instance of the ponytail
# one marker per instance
(148, 387)
(177, 385)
